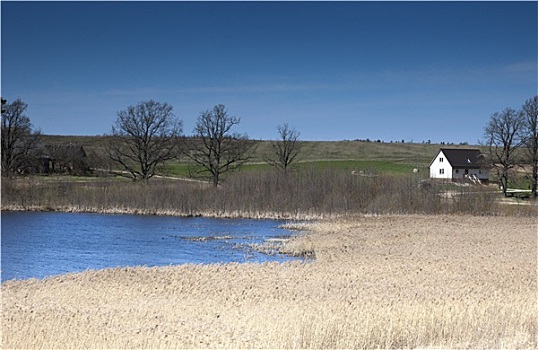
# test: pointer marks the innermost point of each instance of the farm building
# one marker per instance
(458, 165)
(71, 159)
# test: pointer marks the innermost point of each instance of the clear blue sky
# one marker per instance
(334, 71)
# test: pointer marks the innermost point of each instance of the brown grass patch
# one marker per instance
(377, 282)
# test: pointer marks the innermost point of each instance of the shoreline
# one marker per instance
(378, 281)
(241, 214)
(236, 214)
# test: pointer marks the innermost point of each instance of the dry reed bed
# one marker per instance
(377, 282)
(302, 194)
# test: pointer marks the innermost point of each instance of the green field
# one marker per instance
(369, 157)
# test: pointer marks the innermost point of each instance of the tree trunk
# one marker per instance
(504, 183)
(534, 180)
(215, 180)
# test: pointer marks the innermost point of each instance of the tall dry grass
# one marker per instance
(306, 193)
(377, 282)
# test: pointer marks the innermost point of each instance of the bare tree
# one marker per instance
(501, 135)
(19, 141)
(530, 138)
(286, 148)
(143, 137)
(214, 148)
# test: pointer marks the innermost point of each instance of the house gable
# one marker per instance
(440, 167)
(451, 164)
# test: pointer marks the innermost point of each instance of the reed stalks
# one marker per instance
(303, 194)
(378, 282)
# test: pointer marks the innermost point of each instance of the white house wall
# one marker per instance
(440, 167)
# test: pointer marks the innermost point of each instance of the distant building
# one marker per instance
(65, 158)
(459, 164)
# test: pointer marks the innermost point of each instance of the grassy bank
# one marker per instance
(377, 282)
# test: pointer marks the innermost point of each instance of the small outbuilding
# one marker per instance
(456, 164)
(65, 158)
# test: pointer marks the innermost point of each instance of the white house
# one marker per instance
(458, 164)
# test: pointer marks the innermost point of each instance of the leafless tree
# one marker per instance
(145, 136)
(215, 149)
(530, 138)
(286, 148)
(502, 137)
(19, 141)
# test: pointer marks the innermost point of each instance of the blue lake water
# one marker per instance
(38, 244)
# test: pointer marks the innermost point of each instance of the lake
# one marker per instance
(41, 244)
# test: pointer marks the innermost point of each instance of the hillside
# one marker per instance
(338, 153)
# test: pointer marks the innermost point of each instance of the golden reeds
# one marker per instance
(377, 282)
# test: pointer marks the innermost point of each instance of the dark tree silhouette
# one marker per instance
(285, 148)
(19, 141)
(145, 136)
(502, 137)
(530, 138)
(214, 148)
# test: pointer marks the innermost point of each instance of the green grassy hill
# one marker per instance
(378, 157)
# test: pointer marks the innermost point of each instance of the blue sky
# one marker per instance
(346, 70)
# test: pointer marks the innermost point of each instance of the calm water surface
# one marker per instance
(38, 244)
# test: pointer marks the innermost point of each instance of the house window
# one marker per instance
(457, 171)
(441, 171)
(441, 160)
